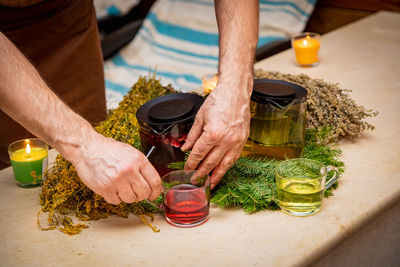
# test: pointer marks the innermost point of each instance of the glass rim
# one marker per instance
(190, 172)
(209, 76)
(40, 141)
(323, 169)
(305, 34)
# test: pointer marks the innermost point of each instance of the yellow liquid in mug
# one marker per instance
(299, 196)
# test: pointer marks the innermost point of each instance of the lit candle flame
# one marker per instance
(305, 42)
(28, 149)
(209, 83)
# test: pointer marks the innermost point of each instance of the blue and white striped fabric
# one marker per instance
(179, 39)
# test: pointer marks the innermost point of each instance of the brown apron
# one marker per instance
(60, 38)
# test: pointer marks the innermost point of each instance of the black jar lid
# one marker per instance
(159, 113)
(277, 91)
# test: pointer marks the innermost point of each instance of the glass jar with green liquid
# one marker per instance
(278, 118)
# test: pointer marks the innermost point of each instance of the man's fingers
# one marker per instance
(108, 193)
(140, 187)
(111, 197)
(225, 164)
(201, 148)
(212, 160)
(126, 193)
(194, 134)
(153, 179)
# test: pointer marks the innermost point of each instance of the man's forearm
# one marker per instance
(238, 31)
(26, 98)
(222, 123)
(116, 171)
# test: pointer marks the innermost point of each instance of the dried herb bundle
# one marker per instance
(63, 194)
(328, 105)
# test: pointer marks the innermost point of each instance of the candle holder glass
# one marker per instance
(29, 164)
(306, 47)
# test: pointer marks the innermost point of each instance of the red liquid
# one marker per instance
(186, 204)
(163, 155)
(167, 147)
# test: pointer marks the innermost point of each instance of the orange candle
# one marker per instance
(306, 47)
(209, 82)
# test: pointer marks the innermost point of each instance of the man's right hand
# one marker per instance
(116, 171)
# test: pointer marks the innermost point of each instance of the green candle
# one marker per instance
(29, 162)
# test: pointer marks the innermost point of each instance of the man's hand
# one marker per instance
(222, 123)
(117, 171)
(219, 132)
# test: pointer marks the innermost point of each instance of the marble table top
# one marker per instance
(363, 56)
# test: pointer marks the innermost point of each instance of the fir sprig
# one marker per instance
(250, 183)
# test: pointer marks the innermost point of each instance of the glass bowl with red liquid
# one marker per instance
(186, 198)
(164, 125)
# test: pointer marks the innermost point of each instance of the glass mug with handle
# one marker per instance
(301, 184)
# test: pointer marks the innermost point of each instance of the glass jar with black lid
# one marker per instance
(278, 119)
(164, 125)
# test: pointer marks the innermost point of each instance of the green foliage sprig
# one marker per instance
(250, 183)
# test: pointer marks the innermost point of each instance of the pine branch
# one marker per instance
(250, 183)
